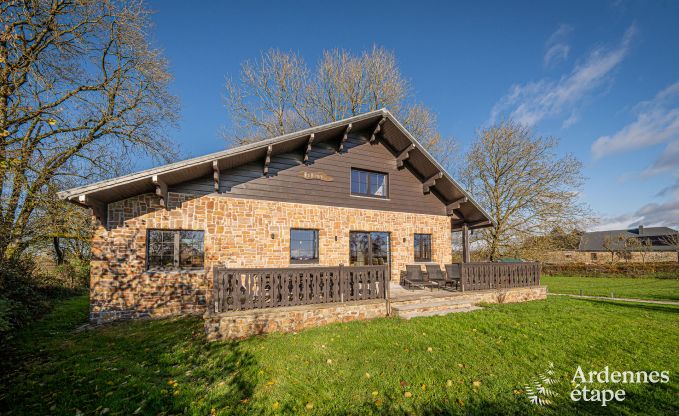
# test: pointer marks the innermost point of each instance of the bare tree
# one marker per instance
(628, 246)
(672, 240)
(81, 90)
(278, 94)
(610, 245)
(526, 187)
(644, 246)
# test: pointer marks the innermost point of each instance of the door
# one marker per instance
(369, 248)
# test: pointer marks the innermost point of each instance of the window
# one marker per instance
(368, 183)
(175, 249)
(593, 256)
(303, 246)
(368, 248)
(422, 247)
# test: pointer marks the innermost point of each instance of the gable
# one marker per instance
(379, 125)
(324, 180)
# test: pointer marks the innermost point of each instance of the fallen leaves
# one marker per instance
(408, 394)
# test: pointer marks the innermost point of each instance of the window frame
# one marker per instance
(368, 183)
(369, 253)
(417, 249)
(176, 251)
(316, 248)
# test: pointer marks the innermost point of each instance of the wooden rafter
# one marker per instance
(215, 174)
(470, 225)
(455, 205)
(99, 209)
(308, 147)
(404, 155)
(344, 138)
(377, 130)
(426, 186)
(161, 190)
(267, 160)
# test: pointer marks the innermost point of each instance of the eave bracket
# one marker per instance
(404, 155)
(426, 186)
(267, 160)
(344, 138)
(161, 190)
(308, 147)
(377, 130)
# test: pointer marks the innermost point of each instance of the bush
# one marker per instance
(26, 294)
(666, 270)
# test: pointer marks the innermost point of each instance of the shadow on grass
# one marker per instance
(655, 307)
(149, 367)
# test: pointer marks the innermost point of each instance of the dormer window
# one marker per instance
(367, 183)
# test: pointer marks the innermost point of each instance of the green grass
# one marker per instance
(667, 289)
(167, 367)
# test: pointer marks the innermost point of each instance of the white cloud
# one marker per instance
(663, 214)
(529, 103)
(657, 121)
(557, 47)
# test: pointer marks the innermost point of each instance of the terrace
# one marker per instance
(255, 301)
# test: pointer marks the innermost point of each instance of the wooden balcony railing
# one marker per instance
(241, 289)
(485, 276)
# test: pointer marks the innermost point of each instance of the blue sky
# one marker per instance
(601, 76)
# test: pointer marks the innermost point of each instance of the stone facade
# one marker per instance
(238, 233)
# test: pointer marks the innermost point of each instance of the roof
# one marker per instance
(393, 134)
(595, 241)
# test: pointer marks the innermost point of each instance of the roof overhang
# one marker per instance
(461, 206)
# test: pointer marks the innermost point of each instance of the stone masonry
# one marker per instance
(238, 233)
(243, 324)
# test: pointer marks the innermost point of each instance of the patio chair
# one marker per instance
(436, 275)
(453, 275)
(414, 277)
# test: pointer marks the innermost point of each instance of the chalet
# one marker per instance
(330, 214)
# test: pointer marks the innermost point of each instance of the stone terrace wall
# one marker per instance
(243, 324)
(238, 233)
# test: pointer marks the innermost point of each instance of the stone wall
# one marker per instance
(238, 233)
(602, 257)
(243, 324)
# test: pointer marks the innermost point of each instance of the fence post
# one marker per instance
(386, 278)
(215, 291)
(341, 282)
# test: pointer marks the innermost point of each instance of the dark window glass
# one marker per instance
(368, 248)
(368, 183)
(422, 247)
(303, 246)
(175, 250)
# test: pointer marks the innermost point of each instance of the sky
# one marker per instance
(602, 76)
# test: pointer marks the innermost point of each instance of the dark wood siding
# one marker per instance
(286, 182)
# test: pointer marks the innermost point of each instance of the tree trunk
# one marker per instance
(59, 254)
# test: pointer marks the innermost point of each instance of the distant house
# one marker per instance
(641, 244)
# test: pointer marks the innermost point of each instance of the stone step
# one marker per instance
(439, 312)
(402, 300)
(429, 305)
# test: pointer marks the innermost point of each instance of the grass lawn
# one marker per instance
(620, 286)
(472, 363)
